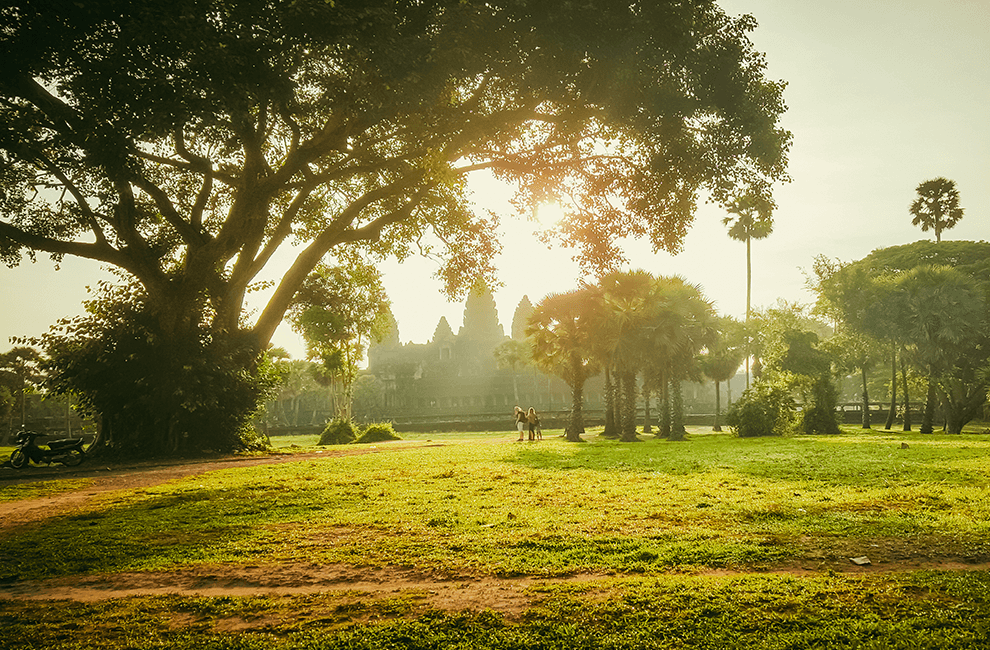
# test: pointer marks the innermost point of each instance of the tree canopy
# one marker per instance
(931, 300)
(188, 142)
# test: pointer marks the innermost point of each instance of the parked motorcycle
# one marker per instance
(67, 451)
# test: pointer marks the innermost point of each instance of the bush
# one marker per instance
(819, 415)
(157, 391)
(338, 432)
(763, 410)
(378, 432)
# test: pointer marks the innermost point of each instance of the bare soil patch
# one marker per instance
(454, 593)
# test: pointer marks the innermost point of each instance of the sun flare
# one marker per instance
(549, 214)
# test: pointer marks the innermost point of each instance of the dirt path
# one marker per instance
(451, 593)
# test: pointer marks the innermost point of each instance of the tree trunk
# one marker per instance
(928, 416)
(576, 423)
(907, 397)
(611, 428)
(647, 415)
(892, 412)
(749, 285)
(718, 409)
(866, 402)
(953, 422)
(664, 410)
(677, 431)
(627, 424)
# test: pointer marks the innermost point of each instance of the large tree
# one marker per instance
(190, 142)
(929, 300)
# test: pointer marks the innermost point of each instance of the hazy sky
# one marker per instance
(882, 95)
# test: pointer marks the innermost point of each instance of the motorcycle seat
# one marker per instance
(63, 443)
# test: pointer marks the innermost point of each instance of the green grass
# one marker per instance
(636, 514)
(926, 610)
(41, 489)
(549, 508)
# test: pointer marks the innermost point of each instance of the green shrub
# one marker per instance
(763, 410)
(158, 391)
(338, 432)
(378, 432)
(819, 415)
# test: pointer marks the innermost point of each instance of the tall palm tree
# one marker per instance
(561, 328)
(753, 220)
(937, 206)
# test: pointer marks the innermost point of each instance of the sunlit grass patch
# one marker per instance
(41, 489)
(549, 508)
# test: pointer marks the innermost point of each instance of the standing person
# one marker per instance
(520, 417)
(531, 420)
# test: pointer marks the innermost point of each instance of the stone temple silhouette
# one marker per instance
(455, 380)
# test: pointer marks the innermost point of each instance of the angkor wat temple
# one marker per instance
(457, 378)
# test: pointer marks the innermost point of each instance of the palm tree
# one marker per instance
(562, 329)
(937, 206)
(942, 309)
(681, 325)
(626, 300)
(753, 221)
(721, 361)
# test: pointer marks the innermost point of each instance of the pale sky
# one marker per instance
(882, 95)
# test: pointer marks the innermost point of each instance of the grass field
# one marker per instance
(715, 542)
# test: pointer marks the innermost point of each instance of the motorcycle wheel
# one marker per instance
(72, 458)
(18, 459)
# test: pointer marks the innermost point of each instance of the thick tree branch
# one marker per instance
(373, 230)
(73, 189)
(99, 251)
(282, 230)
(62, 117)
(187, 231)
(337, 232)
(190, 166)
